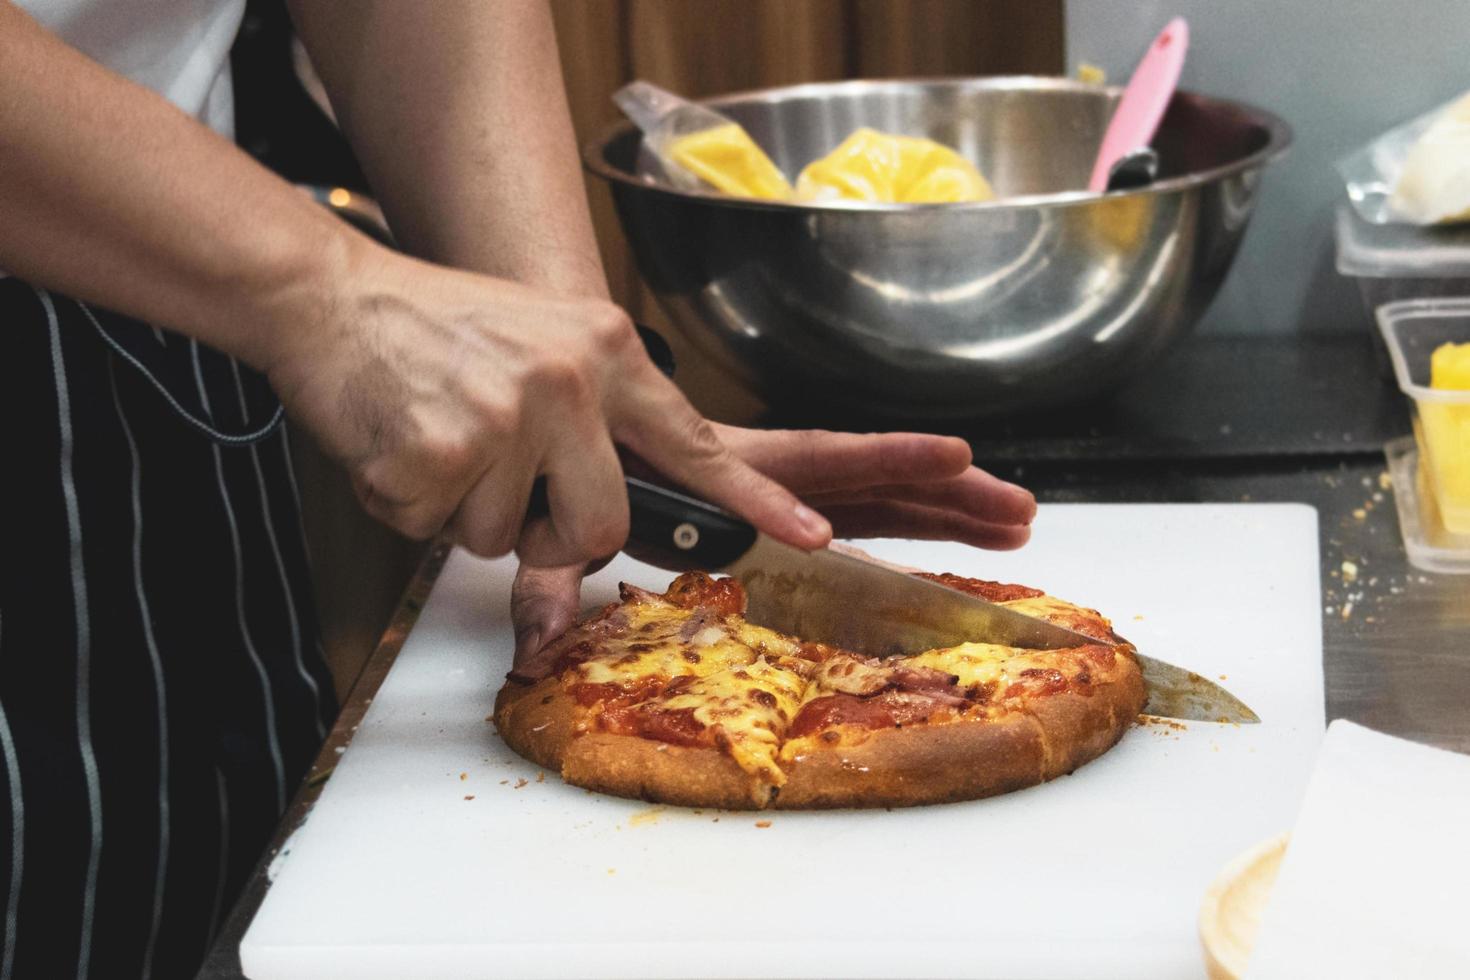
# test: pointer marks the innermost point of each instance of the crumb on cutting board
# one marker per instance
(470, 796)
(520, 783)
(647, 816)
(763, 824)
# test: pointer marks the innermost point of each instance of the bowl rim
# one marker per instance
(1278, 140)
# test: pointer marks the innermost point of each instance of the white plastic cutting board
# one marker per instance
(396, 874)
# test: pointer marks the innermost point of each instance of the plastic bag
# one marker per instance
(1418, 173)
(692, 147)
(695, 148)
(874, 166)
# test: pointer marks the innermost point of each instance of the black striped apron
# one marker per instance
(162, 688)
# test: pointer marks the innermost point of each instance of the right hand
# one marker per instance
(445, 394)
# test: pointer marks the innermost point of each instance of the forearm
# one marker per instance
(459, 117)
(111, 194)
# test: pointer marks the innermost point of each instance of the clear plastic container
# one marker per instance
(1428, 544)
(1438, 481)
(1395, 261)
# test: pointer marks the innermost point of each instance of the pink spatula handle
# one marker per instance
(1144, 101)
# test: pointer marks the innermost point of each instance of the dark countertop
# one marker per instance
(1302, 422)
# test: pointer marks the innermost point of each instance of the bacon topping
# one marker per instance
(847, 674)
(925, 679)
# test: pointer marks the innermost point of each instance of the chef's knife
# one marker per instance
(864, 606)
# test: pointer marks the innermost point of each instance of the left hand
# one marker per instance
(899, 484)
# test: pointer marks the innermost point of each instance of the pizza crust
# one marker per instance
(540, 722)
(965, 759)
(642, 769)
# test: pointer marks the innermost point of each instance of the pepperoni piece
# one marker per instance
(678, 727)
(891, 709)
(981, 588)
(630, 693)
(839, 709)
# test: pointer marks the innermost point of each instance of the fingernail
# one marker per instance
(813, 523)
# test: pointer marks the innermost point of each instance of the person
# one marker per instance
(167, 299)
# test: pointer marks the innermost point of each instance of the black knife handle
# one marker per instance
(670, 529)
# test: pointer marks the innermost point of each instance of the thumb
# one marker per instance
(543, 604)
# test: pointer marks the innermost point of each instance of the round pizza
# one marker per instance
(675, 698)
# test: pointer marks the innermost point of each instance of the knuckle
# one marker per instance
(564, 374)
(610, 327)
(701, 441)
(449, 452)
(498, 415)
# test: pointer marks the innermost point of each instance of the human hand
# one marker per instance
(898, 484)
(446, 394)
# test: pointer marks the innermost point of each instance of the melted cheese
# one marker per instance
(751, 705)
(749, 681)
(985, 663)
(652, 646)
(1062, 613)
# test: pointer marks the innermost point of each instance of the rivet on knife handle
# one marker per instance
(669, 529)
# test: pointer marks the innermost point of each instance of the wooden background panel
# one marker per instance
(714, 46)
(955, 37)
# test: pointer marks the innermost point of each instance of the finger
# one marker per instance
(588, 501)
(888, 519)
(419, 518)
(417, 492)
(489, 519)
(812, 460)
(665, 430)
(543, 606)
(973, 493)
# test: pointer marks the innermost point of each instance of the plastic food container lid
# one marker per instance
(1400, 251)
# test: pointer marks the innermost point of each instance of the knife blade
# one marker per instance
(862, 605)
(865, 607)
(1174, 692)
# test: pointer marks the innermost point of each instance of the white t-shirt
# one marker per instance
(178, 48)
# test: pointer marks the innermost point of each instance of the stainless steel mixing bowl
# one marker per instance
(1046, 296)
